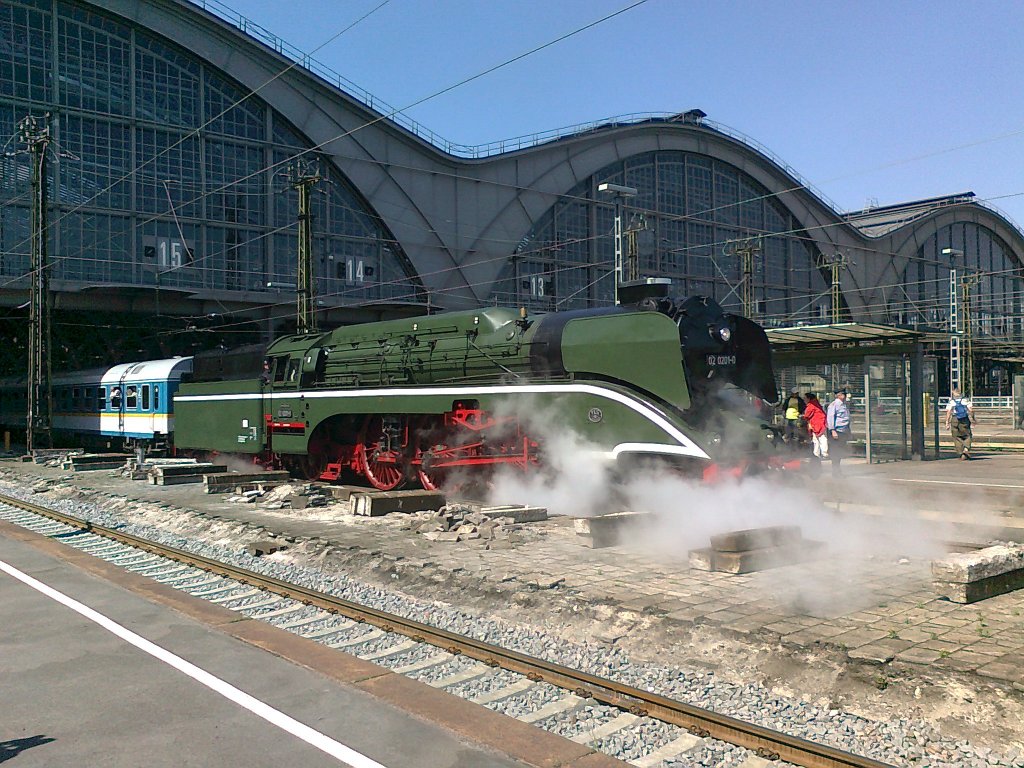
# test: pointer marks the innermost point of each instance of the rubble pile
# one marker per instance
(54, 457)
(134, 470)
(457, 522)
(280, 496)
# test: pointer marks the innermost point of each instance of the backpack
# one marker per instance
(960, 410)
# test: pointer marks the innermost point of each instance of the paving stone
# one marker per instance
(918, 655)
(1002, 671)
(745, 625)
(686, 616)
(940, 645)
(859, 637)
(875, 652)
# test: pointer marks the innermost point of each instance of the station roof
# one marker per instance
(880, 220)
(873, 333)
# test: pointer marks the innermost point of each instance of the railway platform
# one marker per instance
(866, 605)
(102, 667)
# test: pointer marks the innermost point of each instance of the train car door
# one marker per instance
(148, 417)
(119, 402)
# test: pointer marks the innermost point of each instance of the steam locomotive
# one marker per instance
(430, 399)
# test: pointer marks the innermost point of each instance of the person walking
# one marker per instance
(815, 416)
(837, 422)
(959, 415)
(794, 410)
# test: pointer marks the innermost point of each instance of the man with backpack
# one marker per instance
(959, 415)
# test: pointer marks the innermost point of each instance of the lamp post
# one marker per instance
(621, 193)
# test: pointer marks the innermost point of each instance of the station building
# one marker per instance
(173, 223)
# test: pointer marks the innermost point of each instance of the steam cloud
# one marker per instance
(687, 512)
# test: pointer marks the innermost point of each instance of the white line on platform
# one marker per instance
(312, 737)
(953, 482)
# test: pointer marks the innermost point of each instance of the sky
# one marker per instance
(871, 102)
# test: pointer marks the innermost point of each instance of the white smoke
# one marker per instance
(685, 512)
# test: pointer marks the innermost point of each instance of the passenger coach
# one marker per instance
(125, 406)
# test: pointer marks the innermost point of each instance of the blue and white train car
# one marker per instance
(138, 399)
(77, 402)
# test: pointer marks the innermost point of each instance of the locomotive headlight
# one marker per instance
(715, 439)
(725, 333)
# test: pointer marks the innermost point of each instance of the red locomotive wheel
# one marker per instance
(427, 432)
(431, 479)
(383, 466)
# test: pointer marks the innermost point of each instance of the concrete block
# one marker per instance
(176, 470)
(755, 559)
(607, 530)
(261, 548)
(756, 538)
(982, 589)
(702, 559)
(89, 462)
(343, 492)
(225, 482)
(296, 501)
(519, 514)
(968, 567)
(374, 504)
(175, 479)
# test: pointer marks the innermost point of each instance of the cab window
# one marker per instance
(280, 366)
(293, 369)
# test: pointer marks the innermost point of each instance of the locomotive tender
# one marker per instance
(433, 397)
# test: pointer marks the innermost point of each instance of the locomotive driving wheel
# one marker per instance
(430, 440)
(380, 452)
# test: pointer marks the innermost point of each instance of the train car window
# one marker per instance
(156, 397)
(101, 398)
(76, 397)
(115, 399)
(145, 397)
(131, 399)
(90, 399)
(280, 366)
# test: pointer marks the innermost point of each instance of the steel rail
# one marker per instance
(765, 742)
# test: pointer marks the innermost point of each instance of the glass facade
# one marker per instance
(983, 259)
(690, 214)
(163, 177)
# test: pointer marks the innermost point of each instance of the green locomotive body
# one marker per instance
(428, 397)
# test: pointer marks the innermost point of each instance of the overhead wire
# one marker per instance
(661, 215)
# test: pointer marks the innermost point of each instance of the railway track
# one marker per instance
(483, 672)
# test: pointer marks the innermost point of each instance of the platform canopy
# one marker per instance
(857, 333)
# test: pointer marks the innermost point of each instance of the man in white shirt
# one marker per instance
(959, 415)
